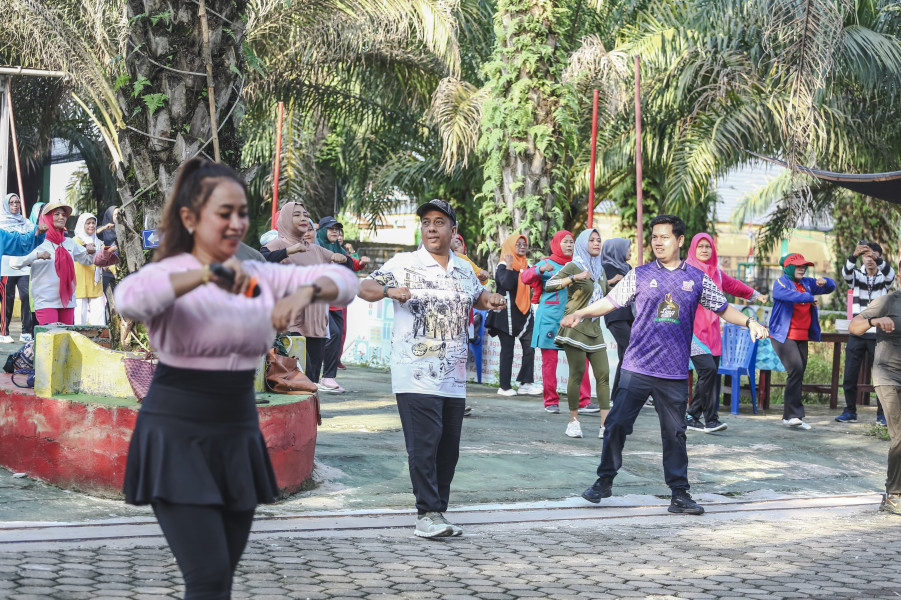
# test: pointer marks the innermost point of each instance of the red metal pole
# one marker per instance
(277, 167)
(594, 151)
(12, 129)
(640, 199)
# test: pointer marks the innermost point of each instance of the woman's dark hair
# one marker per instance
(677, 223)
(196, 181)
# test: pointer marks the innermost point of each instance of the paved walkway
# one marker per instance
(791, 514)
(800, 552)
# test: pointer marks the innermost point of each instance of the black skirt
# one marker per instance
(197, 441)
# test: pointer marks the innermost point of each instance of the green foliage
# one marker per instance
(165, 16)
(525, 132)
(154, 101)
(138, 86)
(878, 431)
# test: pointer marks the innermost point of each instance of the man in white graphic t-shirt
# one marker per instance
(433, 292)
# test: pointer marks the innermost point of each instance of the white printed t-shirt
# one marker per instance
(429, 341)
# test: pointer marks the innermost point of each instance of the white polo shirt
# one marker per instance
(429, 341)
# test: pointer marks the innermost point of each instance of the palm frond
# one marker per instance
(457, 112)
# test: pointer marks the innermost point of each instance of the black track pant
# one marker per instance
(207, 542)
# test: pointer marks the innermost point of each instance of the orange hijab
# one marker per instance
(523, 292)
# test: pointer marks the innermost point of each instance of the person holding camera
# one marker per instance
(868, 282)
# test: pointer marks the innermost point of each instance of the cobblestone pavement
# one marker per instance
(846, 552)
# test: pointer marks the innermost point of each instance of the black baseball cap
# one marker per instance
(328, 223)
(439, 205)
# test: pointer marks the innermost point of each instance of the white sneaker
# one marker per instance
(510, 392)
(433, 524)
(25, 338)
(328, 384)
(601, 433)
(529, 389)
(793, 422)
(804, 426)
(574, 429)
(5, 339)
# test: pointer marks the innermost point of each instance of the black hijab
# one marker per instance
(108, 236)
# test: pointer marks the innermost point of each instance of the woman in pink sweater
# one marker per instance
(706, 344)
(197, 455)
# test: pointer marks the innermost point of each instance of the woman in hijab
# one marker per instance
(458, 245)
(516, 322)
(706, 343)
(327, 238)
(12, 220)
(107, 234)
(90, 303)
(793, 322)
(586, 282)
(290, 248)
(53, 267)
(615, 254)
(547, 320)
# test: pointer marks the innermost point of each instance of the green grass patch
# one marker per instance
(878, 431)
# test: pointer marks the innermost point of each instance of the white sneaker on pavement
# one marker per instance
(5, 339)
(601, 433)
(793, 422)
(510, 392)
(804, 426)
(433, 524)
(327, 384)
(529, 389)
(574, 429)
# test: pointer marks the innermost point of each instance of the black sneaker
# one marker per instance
(693, 424)
(714, 426)
(683, 504)
(600, 489)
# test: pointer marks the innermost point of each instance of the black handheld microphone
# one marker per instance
(228, 275)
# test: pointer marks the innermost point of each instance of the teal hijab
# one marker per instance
(322, 240)
(36, 212)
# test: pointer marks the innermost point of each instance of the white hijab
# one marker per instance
(86, 239)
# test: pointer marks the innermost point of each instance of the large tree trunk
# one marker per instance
(522, 135)
(166, 104)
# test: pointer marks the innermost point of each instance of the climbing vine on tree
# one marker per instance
(526, 123)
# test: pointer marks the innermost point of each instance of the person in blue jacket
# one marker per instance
(793, 322)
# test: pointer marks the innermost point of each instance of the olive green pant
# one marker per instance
(599, 366)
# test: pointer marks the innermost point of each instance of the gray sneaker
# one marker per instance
(433, 524)
(456, 529)
(589, 408)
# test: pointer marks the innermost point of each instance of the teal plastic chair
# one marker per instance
(739, 359)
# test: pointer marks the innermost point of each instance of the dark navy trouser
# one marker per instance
(432, 427)
(670, 401)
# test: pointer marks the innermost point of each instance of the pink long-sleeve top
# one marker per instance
(209, 328)
(707, 324)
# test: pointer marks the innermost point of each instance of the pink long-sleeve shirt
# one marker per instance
(209, 328)
(707, 324)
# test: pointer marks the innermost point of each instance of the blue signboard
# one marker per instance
(151, 239)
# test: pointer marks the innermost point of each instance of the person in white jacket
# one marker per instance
(53, 268)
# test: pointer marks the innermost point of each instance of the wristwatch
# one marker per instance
(385, 291)
(748, 322)
(870, 321)
(317, 290)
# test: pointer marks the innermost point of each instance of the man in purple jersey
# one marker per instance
(666, 294)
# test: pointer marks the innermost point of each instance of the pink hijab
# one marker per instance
(711, 266)
(707, 323)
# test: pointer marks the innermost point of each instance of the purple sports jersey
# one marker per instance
(666, 302)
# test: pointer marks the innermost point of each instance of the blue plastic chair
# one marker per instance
(476, 349)
(739, 358)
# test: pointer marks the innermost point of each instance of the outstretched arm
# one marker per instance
(736, 317)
